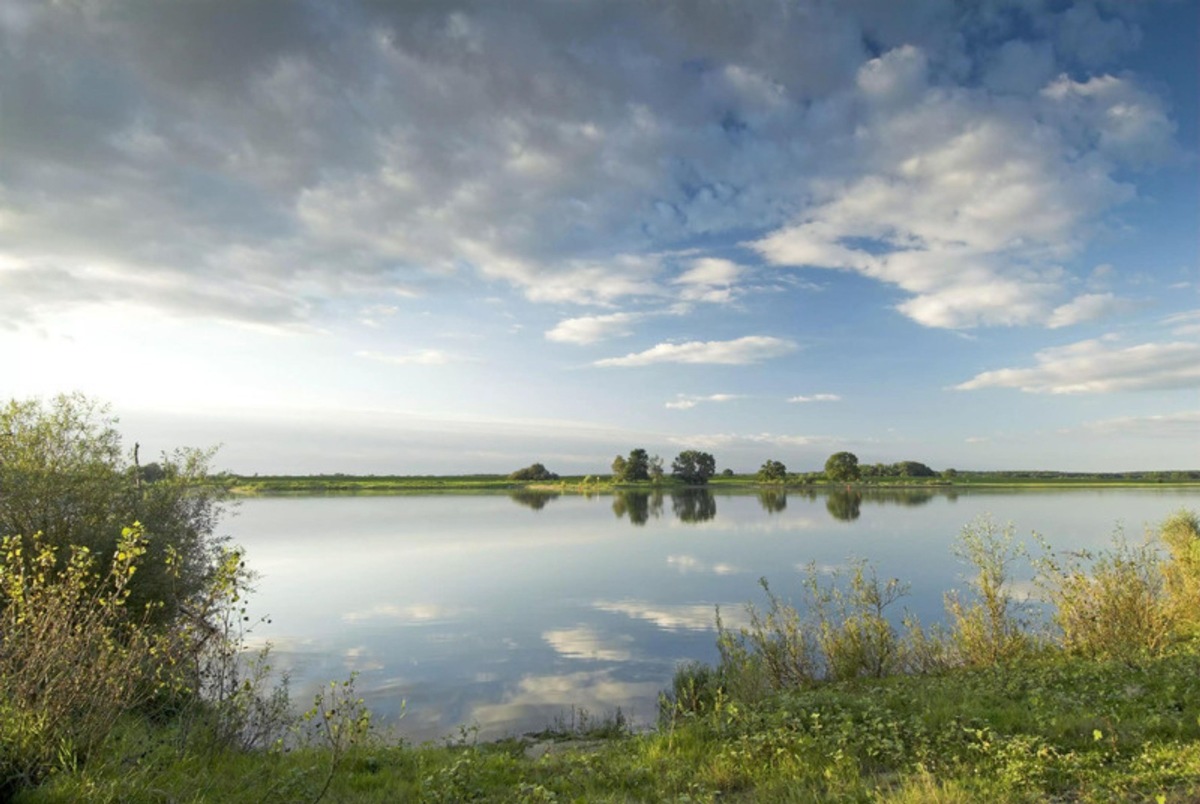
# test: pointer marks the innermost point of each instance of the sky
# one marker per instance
(453, 237)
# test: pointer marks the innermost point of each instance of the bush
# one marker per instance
(65, 477)
(72, 655)
(988, 628)
(1128, 599)
(534, 471)
(1114, 607)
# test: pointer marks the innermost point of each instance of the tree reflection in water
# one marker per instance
(638, 505)
(772, 500)
(694, 505)
(532, 499)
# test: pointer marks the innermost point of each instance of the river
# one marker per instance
(502, 613)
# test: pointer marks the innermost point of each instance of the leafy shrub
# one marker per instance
(987, 627)
(534, 471)
(1128, 599)
(72, 657)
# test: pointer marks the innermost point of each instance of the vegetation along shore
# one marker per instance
(124, 674)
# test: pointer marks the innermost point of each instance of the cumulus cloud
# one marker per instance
(1087, 307)
(969, 202)
(738, 352)
(709, 280)
(687, 402)
(592, 328)
(266, 164)
(816, 398)
(1099, 366)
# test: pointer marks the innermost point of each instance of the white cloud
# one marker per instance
(687, 402)
(715, 441)
(738, 352)
(969, 203)
(816, 398)
(592, 328)
(709, 280)
(1097, 366)
(1087, 307)
(423, 357)
(1182, 425)
(1184, 324)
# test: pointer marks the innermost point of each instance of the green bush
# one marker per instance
(988, 626)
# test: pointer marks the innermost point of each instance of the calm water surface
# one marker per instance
(504, 612)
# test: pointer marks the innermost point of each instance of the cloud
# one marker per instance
(593, 328)
(709, 280)
(1184, 324)
(1096, 366)
(687, 402)
(738, 352)
(969, 202)
(1088, 307)
(816, 398)
(423, 357)
(267, 164)
(715, 441)
(1181, 425)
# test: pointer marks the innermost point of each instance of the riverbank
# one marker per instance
(1056, 728)
(409, 484)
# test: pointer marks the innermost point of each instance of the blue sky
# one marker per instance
(456, 237)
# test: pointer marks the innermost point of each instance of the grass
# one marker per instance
(1055, 728)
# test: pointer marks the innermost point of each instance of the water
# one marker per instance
(506, 612)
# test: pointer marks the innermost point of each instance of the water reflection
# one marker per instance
(694, 505)
(844, 505)
(536, 500)
(638, 505)
(773, 501)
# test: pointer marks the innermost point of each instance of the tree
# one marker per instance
(842, 467)
(618, 468)
(635, 467)
(65, 475)
(694, 467)
(656, 468)
(912, 469)
(534, 471)
(772, 472)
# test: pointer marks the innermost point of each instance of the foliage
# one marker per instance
(65, 477)
(534, 471)
(772, 472)
(632, 469)
(1127, 600)
(72, 657)
(842, 467)
(988, 627)
(694, 467)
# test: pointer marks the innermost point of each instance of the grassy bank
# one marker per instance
(418, 484)
(1056, 728)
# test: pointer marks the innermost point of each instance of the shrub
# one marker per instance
(72, 654)
(65, 477)
(1181, 535)
(534, 471)
(987, 627)
(1109, 605)
(854, 635)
